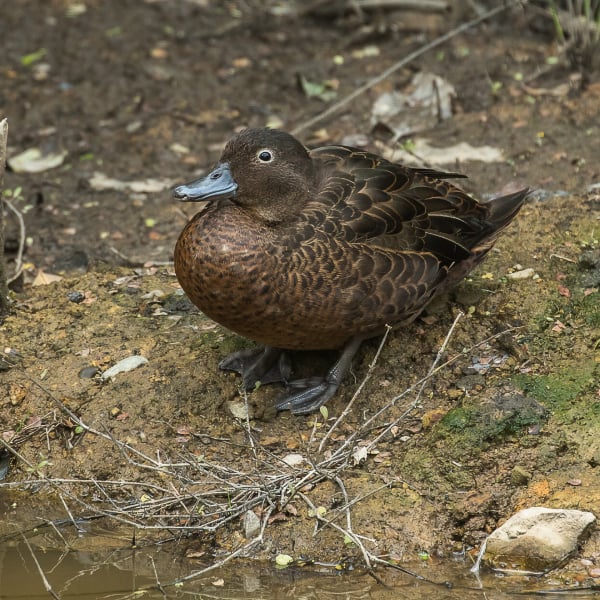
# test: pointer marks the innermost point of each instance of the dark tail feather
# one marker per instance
(502, 210)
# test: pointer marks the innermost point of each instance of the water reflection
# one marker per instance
(126, 573)
(100, 563)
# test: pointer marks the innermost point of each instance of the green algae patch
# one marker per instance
(480, 425)
(563, 390)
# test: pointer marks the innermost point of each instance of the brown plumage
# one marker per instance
(320, 249)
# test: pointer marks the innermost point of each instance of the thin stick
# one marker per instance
(19, 257)
(60, 535)
(3, 277)
(39, 568)
(77, 528)
(398, 65)
(159, 586)
(253, 542)
(348, 442)
(427, 377)
(357, 393)
(440, 352)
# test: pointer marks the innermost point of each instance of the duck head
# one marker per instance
(265, 171)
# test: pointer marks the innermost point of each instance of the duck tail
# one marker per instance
(503, 209)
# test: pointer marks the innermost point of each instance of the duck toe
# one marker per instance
(264, 365)
(312, 393)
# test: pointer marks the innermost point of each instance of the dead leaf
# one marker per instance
(461, 152)
(43, 278)
(277, 517)
(293, 460)
(33, 161)
(8, 435)
(89, 298)
(429, 319)
(427, 100)
(564, 291)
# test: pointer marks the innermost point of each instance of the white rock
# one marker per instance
(522, 274)
(127, 364)
(537, 539)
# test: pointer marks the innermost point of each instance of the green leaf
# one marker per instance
(29, 59)
(283, 560)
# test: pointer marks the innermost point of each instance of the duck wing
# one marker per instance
(386, 205)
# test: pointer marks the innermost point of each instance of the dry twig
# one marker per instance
(40, 571)
(3, 277)
(193, 494)
(399, 64)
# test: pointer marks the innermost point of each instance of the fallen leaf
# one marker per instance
(427, 100)
(283, 560)
(293, 460)
(43, 278)
(277, 517)
(101, 182)
(33, 161)
(461, 152)
(564, 291)
(325, 90)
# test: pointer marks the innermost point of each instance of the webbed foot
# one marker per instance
(315, 391)
(264, 365)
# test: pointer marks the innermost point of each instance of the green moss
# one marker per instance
(232, 343)
(458, 419)
(588, 307)
(481, 425)
(560, 390)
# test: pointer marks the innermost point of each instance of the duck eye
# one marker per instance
(265, 156)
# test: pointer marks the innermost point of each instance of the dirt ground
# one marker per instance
(134, 91)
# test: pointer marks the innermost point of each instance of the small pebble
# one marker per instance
(76, 297)
(520, 476)
(88, 372)
(251, 524)
(522, 274)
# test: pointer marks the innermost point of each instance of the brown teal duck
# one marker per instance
(319, 249)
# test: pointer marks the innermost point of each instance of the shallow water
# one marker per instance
(122, 573)
(52, 557)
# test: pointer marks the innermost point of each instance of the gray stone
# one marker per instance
(537, 539)
(251, 524)
(520, 476)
